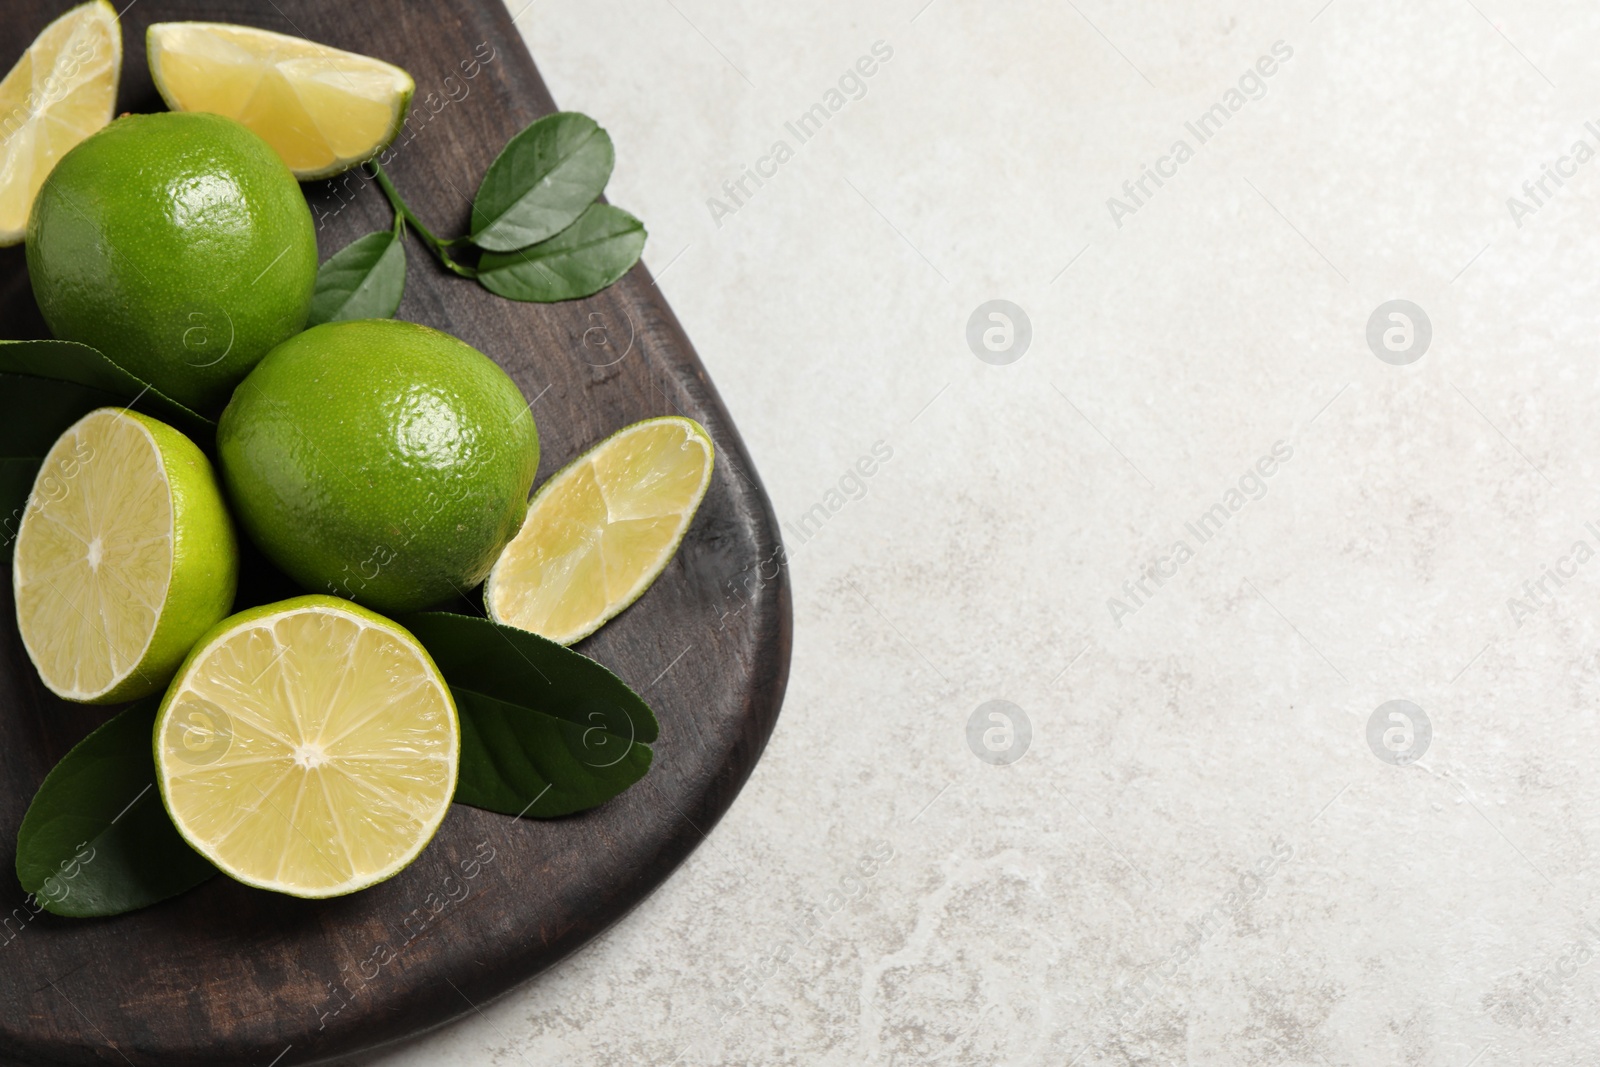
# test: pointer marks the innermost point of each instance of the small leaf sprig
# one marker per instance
(539, 233)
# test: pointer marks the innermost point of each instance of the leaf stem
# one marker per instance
(402, 212)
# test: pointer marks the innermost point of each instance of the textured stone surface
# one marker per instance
(1199, 859)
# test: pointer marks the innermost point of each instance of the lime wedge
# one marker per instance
(308, 747)
(321, 109)
(125, 555)
(62, 89)
(601, 530)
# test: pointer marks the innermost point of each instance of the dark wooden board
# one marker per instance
(227, 974)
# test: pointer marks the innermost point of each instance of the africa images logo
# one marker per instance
(851, 86)
(1252, 486)
(1536, 192)
(1252, 86)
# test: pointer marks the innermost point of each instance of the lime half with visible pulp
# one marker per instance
(125, 555)
(308, 747)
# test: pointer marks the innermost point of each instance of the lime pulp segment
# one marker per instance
(308, 747)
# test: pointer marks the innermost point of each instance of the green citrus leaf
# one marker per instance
(541, 182)
(579, 261)
(545, 731)
(363, 280)
(68, 361)
(96, 840)
(33, 413)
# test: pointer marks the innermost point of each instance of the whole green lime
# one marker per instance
(380, 461)
(177, 244)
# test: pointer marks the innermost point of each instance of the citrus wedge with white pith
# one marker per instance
(308, 747)
(125, 555)
(322, 109)
(62, 89)
(601, 530)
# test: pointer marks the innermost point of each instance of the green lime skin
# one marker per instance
(205, 563)
(379, 461)
(177, 244)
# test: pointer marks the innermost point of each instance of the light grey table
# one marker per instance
(1198, 832)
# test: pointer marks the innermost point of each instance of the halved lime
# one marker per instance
(601, 530)
(62, 89)
(309, 747)
(323, 110)
(124, 557)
